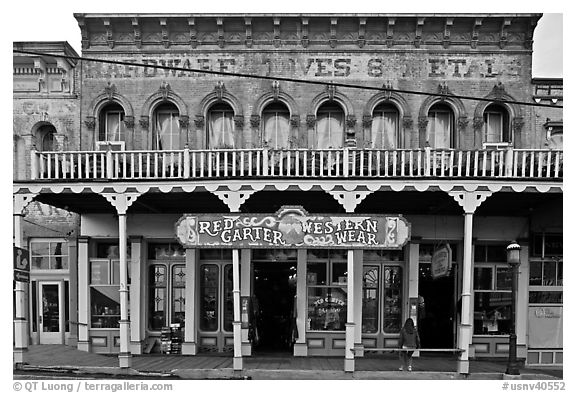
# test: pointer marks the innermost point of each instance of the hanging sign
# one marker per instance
(441, 262)
(290, 227)
(21, 265)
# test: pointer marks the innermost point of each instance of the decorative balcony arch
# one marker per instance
(165, 94)
(272, 96)
(332, 95)
(388, 98)
(221, 95)
(108, 96)
(498, 93)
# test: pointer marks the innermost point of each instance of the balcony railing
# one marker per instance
(297, 163)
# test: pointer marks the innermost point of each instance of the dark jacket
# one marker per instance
(411, 340)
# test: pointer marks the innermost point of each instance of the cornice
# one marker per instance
(228, 30)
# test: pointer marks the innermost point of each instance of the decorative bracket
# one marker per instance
(164, 90)
(20, 201)
(362, 32)
(192, 27)
(234, 199)
(474, 40)
(275, 90)
(109, 33)
(469, 201)
(248, 24)
(165, 33)
(333, 26)
(390, 32)
(110, 90)
(349, 199)
(121, 201)
(137, 33)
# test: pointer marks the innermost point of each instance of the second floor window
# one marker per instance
(45, 138)
(112, 127)
(221, 127)
(329, 127)
(496, 127)
(276, 127)
(167, 128)
(385, 127)
(440, 128)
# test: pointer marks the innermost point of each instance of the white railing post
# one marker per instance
(109, 164)
(346, 161)
(427, 159)
(186, 169)
(509, 161)
(265, 161)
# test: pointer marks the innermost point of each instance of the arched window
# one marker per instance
(440, 128)
(329, 127)
(111, 124)
(45, 138)
(385, 127)
(276, 126)
(496, 125)
(166, 135)
(221, 127)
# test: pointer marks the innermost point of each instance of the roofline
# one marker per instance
(280, 14)
(48, 46)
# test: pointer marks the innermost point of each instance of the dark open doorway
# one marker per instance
(274, 291)
(436, 313)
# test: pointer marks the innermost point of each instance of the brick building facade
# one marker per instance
(151, 144)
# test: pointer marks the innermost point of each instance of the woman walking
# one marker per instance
(408, 339)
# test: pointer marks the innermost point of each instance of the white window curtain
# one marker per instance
(384, 130)
(439, 129)
(276, 130)
(167, 130)
(114, 127)
(221, 130)
(494, 127)
(329, 130)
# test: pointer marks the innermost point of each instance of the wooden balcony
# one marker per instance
(297, 163)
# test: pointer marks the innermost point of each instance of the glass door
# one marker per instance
(51, 315)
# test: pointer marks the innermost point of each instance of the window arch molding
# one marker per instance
(455, 104)
(270, 98)
(103, 100)
(394, 99)
(157, 99)
(338, 98)
(221, 98)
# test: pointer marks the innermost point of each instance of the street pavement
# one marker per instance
(60, 360)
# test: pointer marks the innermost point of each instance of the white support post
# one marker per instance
(122, 201)
(350, 326)
(189, 345)
(469, 201)
(300, 346)
(245, 261)
(83, 295)
(522, 302)
(237, 361)
(125, 356)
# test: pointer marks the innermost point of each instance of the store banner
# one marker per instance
(290, 227)
(441, 262)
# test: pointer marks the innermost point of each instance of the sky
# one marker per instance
(36, 20)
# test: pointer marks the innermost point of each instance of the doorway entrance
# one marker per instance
(51, 315)
(436, 311)
(273, 305)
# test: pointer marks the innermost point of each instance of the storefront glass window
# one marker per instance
(326, 308)
(209, 298)
(326, 300)
(104, 294)
(370, 302)
(157, 298)
(178, 293)
(49, 254)
(492, 290)
(392, 299)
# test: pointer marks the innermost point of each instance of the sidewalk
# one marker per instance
(62, 358)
